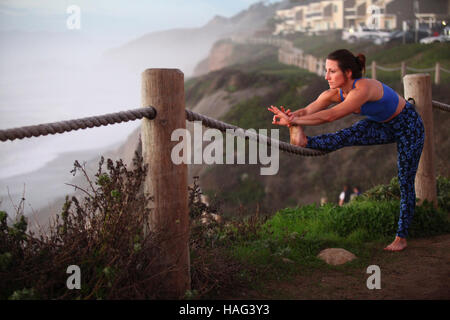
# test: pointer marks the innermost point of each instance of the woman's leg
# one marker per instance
(364, 132)
(409, 137)
(409, 151)
(409, 148)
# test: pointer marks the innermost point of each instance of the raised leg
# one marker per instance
(364, 132)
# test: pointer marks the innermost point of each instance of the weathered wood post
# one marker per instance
(437, 73)
(418, 87)
(374, 70)
(403, 70)
(164, 90)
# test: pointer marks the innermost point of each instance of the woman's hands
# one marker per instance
(287, 118)
(281, 116)
(284, 117)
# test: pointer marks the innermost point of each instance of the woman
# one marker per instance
(389, 119)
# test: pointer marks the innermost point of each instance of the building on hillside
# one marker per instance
(324, 15)
(430, 14)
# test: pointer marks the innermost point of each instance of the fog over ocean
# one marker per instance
(48, 77)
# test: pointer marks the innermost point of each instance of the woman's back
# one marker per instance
(382, 99)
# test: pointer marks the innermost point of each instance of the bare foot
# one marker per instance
(298, 137)
(397, 245)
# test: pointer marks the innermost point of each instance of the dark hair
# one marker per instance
(347, 61)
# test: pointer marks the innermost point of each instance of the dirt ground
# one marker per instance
(421, 271)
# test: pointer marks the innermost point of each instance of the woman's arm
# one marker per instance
(326, 98)
(323, 101)
(355, 99)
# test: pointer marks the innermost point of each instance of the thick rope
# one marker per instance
(434, 104)
(150, 113)
(83, 123)
(420, 70)
(440, 105)
(222, 126)
(388, 69)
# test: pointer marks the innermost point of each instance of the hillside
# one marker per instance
(162, 49)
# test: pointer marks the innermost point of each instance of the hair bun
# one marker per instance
(361, 60)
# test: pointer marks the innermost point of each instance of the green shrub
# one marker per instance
(360, 219)
(391, 191)
(104, 234)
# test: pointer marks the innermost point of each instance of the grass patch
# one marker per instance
(289, 242)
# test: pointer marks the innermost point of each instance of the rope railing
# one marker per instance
(440, 105)
(76, 124)
(150, 113)
(322, 65)
(388, 69)
(410, 69)
(420, 70)
(222, 126)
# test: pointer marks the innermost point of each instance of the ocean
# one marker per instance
(55, 82)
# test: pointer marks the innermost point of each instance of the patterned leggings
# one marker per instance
(407, 130)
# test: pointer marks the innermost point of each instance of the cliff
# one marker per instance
(163, 49)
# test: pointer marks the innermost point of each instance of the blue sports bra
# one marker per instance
(381, 109)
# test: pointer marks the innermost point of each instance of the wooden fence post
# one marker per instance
(374, 70)
(403, 70)
(437, 73)
(418, 87)
(166, 182)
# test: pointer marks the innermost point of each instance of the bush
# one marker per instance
(391, 191)
(376, 213)
(105, 235)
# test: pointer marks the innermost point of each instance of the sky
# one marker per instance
(123, 18)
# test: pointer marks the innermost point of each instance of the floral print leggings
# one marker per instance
(407, 130)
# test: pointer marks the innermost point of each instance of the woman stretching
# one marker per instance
(389, 119)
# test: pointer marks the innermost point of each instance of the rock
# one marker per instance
(336, 256)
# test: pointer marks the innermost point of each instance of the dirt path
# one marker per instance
(422, 271)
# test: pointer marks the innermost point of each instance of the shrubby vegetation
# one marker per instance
(106, 235)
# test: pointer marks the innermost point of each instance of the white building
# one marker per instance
(322, 15)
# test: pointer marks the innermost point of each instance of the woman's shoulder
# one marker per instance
(332, 95)
(367, 83)
(372, 87)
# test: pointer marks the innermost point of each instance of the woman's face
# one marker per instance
(334, 75)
